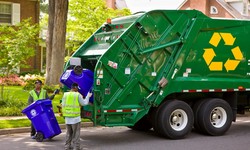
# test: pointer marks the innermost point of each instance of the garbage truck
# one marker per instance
(170, 70)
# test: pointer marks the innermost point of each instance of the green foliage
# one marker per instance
(85, 17)
(44, 7)
(30, 79)
(35, 71)
(51, 88)
(17, 44)
(17, 123)
(11, 111)
(12, 79)
(4, 124)
(15, 99)
(10, 104)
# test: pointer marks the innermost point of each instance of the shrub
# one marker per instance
(15, 99)
(12, 79)
(13, 111)
(29, 80)
(31, 72)
(51, 89)
(11, 106)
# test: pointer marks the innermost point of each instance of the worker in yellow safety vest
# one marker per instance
(71, 109)
(38, 94)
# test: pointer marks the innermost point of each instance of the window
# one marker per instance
(9, 13)
(213, 10)
(5, 13)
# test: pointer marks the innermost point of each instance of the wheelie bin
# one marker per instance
(83, 77)
(43, 119)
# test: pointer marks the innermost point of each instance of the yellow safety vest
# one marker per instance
(42, 95)
(70, 105)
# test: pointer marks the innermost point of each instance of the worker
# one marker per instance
(71, 110)
(38, 94)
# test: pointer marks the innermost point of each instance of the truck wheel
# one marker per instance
(143, 124)
(196, 110)
(215, 117)
(175, 119)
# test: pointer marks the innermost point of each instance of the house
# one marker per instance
(14, 11)
(239, 9)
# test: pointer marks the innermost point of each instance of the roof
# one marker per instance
(147, 5)
(232, 10)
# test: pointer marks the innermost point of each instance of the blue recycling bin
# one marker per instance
(84, 80)
(43, 119)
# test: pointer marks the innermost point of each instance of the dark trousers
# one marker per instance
(33, 131)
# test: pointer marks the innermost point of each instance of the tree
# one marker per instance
(17, 45)
(44, 6)
(85, 17)
(55, 41)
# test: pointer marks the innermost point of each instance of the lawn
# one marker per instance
(4, 124)
(15, 100)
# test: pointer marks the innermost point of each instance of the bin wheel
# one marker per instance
(39, 137)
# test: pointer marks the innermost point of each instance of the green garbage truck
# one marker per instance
(170, 70)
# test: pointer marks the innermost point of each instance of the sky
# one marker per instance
(146, 5)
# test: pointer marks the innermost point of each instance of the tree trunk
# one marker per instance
(57, 53)
(49, 41)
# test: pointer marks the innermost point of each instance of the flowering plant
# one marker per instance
(12, 79)
(29, 80)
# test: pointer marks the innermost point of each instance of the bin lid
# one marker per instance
(35, 103)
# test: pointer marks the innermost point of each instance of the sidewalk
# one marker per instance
(27, 129)
(13, 117)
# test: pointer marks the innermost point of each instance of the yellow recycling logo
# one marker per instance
(209, 54)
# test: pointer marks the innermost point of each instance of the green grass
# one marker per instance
(17, 92)
(4, 124)
(15, 99)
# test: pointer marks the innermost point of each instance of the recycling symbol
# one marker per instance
(209, 54)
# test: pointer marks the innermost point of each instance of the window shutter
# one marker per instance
(15, 13)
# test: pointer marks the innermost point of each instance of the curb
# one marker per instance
(27, 129)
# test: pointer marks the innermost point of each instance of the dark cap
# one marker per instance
(38, 81)
(74, 86)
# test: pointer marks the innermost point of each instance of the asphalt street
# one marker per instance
(123, 138)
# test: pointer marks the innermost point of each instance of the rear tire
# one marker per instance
(215, 117)
(174, 119)
(196, 110)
